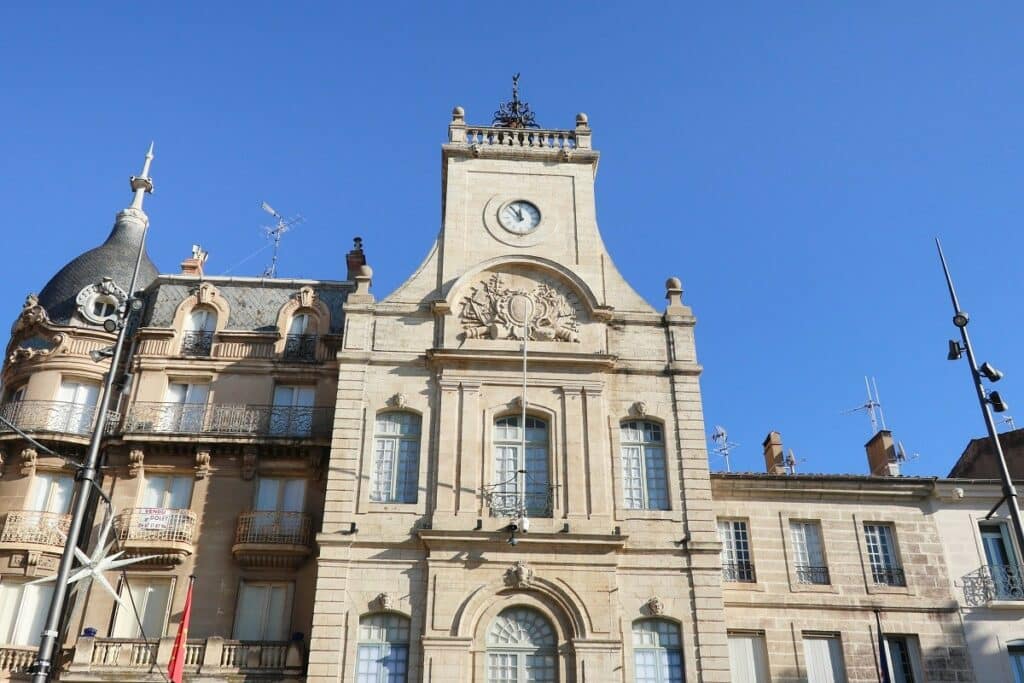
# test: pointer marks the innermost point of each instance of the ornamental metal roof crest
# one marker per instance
(514, 113)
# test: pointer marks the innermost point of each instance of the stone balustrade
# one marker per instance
(16, 659)
(210, 659)
(532, 139)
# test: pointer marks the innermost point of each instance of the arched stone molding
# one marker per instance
(204, 295)
(305, 300)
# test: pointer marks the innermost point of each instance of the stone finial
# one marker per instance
(654, 606)
(674, 291)
(582, 121)
(519, 575)
(28, 461)
(384, 601)
(458, 115)
(202, 466)
(136, 457)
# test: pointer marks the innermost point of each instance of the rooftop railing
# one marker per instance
(32, 526)
(59, 417)
(229, 419)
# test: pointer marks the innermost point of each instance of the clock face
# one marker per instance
(519, 217)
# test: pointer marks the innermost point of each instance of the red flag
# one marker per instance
(176, 669)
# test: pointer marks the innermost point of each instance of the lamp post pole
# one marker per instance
(85, 478)
(960, 320)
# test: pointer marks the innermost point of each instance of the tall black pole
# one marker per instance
(960, 320)
(42, 668)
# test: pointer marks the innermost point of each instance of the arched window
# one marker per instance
(197, 339)
(657, 652)
(521, 647)
(396, 458)
(521, 481)
(383, 649)
(644, 481)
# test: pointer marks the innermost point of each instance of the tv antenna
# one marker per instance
(1008, 420)
(723, 446)
(789, 462)
(274, 234)
(873, 406)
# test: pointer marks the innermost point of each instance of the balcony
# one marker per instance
(240, 420)
(269, 538)
(991, 584)
(812, 575)
(16, 659)
(34, 530)
(212, 659)
(300, 347)
(196, 343)
(59, 417)
(888, 576)
(165, 533)
(738, 572)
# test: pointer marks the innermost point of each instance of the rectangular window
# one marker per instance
(885, 568)
(76, 406)
(396, 460)
(170, 493)
(736, 562)
(186, 411)
(1002, 566)
(644, 481)
(23, 611)
(904, 659)
(1016, 653)
(808, 554)
(824, 659)
(748, 657)
(292, 414)
(264, 611)
(51, 493)
(151, 598)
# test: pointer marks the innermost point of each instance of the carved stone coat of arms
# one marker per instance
(494, 311)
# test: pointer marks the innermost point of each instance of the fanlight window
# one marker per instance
(657, 652)
(521, 484)
(383, 649)
(521, 647)
(644, 481)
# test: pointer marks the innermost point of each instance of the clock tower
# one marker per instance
(518, 485)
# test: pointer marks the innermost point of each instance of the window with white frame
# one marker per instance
(521, 647)
(77, 405)
(518, 481)
(51, 492)
(185, 407)
(383, 655)
(1015, 650)
(264, 610)
(1003, 568)
(292, 414)
(197, 337)
(166, 491)
(644, 480)
(299, 324)
(396, 458)
(885, 567)
(808, 553)
(748, 657)
(657, 651)
(904, 659)
(151, 599)
(736, 561)
(823, 656)
(23, 611)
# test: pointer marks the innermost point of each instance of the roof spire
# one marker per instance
(515, 113)
(142, 184)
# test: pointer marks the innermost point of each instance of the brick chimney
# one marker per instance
(355, 259)
(883, 459)
(193, 265)
(774, 459)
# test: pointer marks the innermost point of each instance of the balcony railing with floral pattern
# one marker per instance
(739, 572)
(813, 575)
(163, 535)
(32, 526)
(888, 576)
(196, 343)
(273, 539)
(301, 347)
(993, 582)
(229, 419)
(59, 417)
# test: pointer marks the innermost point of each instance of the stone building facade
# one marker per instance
(497, 472)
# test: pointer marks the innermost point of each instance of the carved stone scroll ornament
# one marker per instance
(28, 461)
(306, 296)
(33, 335)
(136, 456)
(202, 466)
(519, 575)
(494, 311)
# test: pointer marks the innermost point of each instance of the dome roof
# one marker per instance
(114, 259)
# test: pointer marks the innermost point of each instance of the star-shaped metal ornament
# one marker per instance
(93, 567)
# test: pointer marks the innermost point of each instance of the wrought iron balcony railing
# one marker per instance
(59, 417)
(513, 504)
(156, 524)
(739, 572)
(196, 343)
(808, 574)
(301, 347)
(994, 582)
(272, 527)
(32, 526)
(888, 576)
(240, 420)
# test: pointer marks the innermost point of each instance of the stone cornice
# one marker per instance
(817, 486)
(437, 539)
(591, 361)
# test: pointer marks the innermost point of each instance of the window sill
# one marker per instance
(395, 508)
(797, 587)
(630, 514)
(885, 589)
(1005, 604)
(743, 586)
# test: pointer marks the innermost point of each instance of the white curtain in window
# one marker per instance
(80, 399)
(748, 658)
(52, 493)
(299, 324)
(201, 320)
(824, 659)
(395, 475)
(23, 612)
(151, 598)
(282, 495)
(172, 493)
(264, 611)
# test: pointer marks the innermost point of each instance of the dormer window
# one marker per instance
(197, 338)
(99, 302)
(103, 307)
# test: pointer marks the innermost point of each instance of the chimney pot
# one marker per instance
(774, 460)
(882, 458)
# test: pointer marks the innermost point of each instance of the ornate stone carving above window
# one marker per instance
(34, 332)
(654, 606)
(519, 575)
(495, 311)
(384, 601)
(136, 456)
(28, 461)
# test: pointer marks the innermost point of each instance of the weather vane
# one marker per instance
(514, 114)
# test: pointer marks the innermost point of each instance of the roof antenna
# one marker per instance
(274, 234)
(723, 446)
(789, 462)
(1008, 420)
(873, 406)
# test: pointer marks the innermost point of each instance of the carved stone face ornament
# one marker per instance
(494, 311)
(519, 575)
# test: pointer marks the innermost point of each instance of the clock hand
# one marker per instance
(519, 212)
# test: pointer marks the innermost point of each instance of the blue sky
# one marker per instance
(790, 162)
